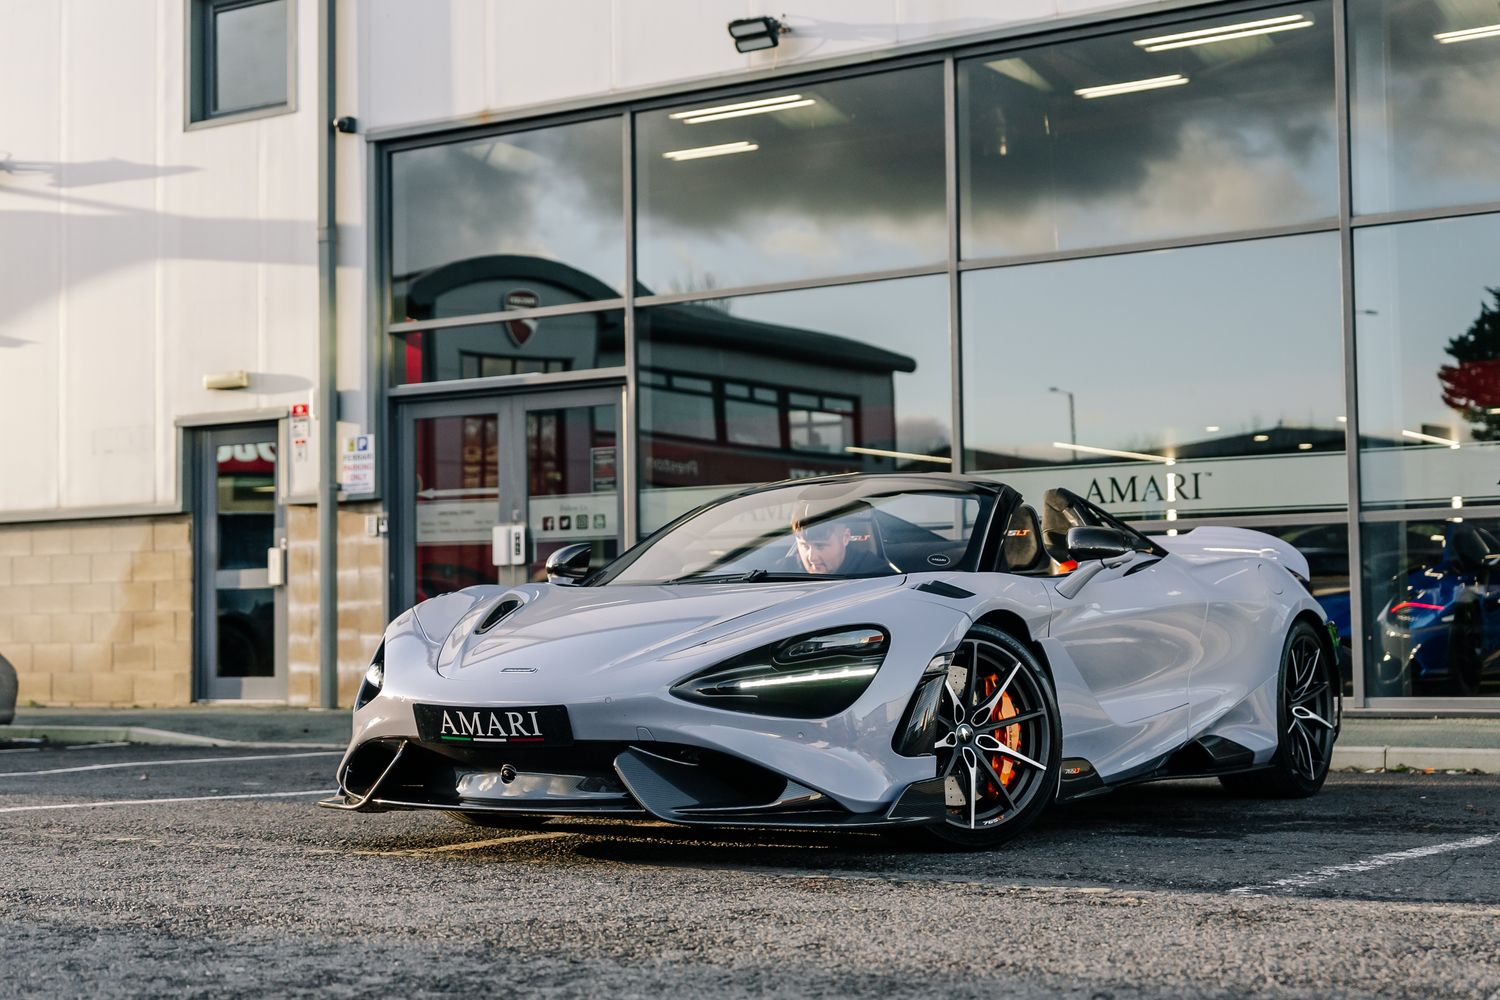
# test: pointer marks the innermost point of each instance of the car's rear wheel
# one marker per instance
(999, 745)
(1305, 722)
(497, 820)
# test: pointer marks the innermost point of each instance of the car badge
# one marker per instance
(520, 330)
(518, 670)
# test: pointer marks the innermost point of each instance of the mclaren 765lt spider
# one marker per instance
(855, 652)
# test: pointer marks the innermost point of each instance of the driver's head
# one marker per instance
(822, 535)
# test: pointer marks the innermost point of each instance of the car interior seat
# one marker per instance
(1022, 550)
(1057, 517)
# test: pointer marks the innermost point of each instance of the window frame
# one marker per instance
(198, 60)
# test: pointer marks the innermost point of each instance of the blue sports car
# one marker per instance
(1440, 633)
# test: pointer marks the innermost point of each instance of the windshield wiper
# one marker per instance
(753, 576)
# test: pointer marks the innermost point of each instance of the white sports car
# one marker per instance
(917, 651)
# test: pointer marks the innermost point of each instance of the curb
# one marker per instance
(1417, 759)
(146, 736)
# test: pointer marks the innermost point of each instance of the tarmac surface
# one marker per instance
(134, 871)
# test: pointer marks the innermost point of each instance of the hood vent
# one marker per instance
(498, 612)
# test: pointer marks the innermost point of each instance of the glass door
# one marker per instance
(240, 554)
(544, 463)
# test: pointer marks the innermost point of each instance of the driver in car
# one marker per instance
(823, 538)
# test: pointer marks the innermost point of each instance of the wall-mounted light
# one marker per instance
(751, 34)
(227, 380)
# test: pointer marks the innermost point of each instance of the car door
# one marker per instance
(1135, 633)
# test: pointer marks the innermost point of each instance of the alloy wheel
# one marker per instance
(1309, 717)
(995, 737)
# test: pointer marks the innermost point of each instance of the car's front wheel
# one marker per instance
(999, 745)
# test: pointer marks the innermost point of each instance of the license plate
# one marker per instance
(542, 726)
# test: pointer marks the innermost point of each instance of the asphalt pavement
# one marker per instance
(135, 871)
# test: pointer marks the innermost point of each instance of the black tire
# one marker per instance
(497, 820)
(1020, 765)
(1305, 684)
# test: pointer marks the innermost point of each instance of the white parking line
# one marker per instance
(156, 802)
(172, 763)
(1319, 875)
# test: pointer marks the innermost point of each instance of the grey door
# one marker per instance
(239, 555)
(547, 461)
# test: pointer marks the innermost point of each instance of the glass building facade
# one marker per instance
(1234, 264)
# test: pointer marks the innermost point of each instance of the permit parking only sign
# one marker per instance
(357, 464)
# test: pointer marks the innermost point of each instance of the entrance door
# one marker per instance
(546, 461)
(240, 546)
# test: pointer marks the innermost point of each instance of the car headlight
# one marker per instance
(374, 680)
(808, 677)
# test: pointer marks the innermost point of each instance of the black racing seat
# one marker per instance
(1022, 550)
(1058, 516)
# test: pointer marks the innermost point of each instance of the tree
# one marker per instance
(1472, 386)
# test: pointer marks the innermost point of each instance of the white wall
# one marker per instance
(441, 59)
(135, 255)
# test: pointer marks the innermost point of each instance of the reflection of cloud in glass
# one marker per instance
(1247, 142)
(1426, 122)
(553, 193)
(853, 182)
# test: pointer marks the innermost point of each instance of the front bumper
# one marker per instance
(669, 782)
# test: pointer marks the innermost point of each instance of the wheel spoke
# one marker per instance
(1010, 803)
(970, 762)
(983, 712)
(1301, 713)
(989, 744)
(1006, 723)
(1309, 695)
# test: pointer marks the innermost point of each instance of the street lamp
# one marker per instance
(1072, 424)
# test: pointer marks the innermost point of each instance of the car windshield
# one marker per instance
(825, 530)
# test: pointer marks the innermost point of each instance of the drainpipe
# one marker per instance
(328, 396)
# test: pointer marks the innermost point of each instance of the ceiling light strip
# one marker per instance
(1467, 34)
(1091, 450)
(1429, 438)
(1225, 38)
(1131, 86)
(724, 149)
(700, 119)
(765, 102)
(1223, 29)
(908, 455)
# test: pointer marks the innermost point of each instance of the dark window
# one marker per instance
(1181, 381)
(1427, 324)
(1177, 130)
(569, 342)
(240, 57)
(1425, 119)
(798, 182)
(852, 378)
(515, 221)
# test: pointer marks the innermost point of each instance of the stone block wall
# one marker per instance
(361, 588)
(99, 612)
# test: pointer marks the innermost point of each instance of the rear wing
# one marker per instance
(1235, 543)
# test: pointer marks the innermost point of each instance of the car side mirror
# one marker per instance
(1085, 544)
(569, 564)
